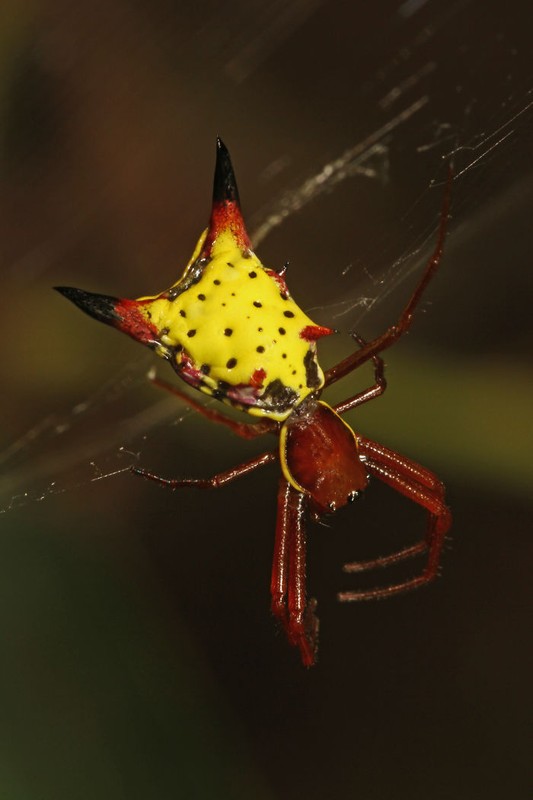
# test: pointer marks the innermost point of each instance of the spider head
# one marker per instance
(318, 510)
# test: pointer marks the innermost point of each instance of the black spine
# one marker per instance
(225, 185)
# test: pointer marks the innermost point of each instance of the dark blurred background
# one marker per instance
(138, 658)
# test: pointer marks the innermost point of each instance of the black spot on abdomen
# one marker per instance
(312, 379)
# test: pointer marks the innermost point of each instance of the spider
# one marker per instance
(230, 328)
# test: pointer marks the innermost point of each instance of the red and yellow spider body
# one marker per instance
(230, 328)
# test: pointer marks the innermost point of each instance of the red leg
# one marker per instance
(210, 483)
(289, 603)
(379, 386)
(439, 521)
(405, 319)
(404, 466)
(243, 429)
(409, 470)
(386, 561)
(280, 561)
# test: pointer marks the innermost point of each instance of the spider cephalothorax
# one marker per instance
(230, 328)
(319, 455)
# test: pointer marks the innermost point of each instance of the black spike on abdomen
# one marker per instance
(225, 184)
(100, 306)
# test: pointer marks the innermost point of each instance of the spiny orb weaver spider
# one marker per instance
(230, 328)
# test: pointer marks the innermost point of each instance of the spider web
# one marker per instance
(427, 112)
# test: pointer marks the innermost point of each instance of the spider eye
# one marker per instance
(332, 506)
(352, 496)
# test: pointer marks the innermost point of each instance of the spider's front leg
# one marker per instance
(371, 349)
(216, 481)
(422, 487)
(288, 584)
